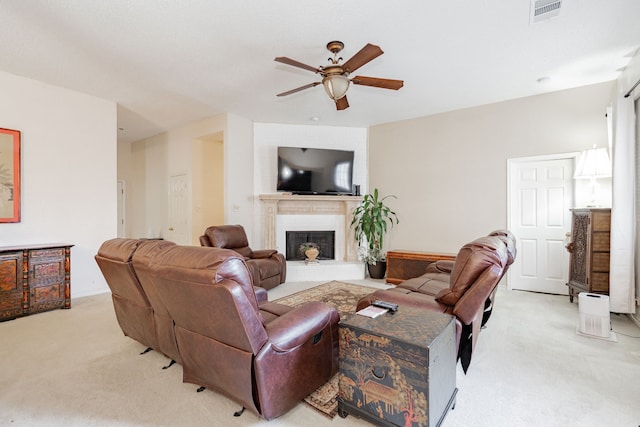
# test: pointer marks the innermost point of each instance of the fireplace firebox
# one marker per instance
(324, 240)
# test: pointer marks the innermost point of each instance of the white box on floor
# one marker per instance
(595, 318)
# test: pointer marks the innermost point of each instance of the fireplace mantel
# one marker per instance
(290, 204)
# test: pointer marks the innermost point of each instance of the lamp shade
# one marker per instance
(335, 85)
(593, 163)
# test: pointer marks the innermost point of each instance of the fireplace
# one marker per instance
(285, 212)
(323, 240)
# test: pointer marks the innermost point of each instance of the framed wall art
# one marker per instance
(9, 175)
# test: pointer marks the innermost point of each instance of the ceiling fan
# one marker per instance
(335, 76)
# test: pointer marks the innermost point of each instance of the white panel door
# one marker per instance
(179, 210)
(540, 196)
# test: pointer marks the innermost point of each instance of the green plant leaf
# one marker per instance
(371, 220)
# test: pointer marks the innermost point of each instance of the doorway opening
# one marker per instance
(207, 183)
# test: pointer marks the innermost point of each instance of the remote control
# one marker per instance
(384, 304)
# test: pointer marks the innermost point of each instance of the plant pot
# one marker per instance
(377, 270)
(312, 254)
(304, 247)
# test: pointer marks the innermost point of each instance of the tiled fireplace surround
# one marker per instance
(286, 212)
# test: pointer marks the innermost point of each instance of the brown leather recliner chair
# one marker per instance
(268, 267)
(441, 270)
(132, 307)
(165, 332)
(477, 269)
(267, 357)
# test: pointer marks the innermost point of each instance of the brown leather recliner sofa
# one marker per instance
(264, 355)
(464, 292)
(441, 270)
(268, 267)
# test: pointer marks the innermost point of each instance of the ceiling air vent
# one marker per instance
(544, 9)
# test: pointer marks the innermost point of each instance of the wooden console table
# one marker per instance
(403, 265)
(34, 278)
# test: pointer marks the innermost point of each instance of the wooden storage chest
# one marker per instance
(403, 265)
(398, 369)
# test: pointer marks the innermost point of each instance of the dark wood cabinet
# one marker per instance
(590, 251)
(34, 278)
(11, 285)
(398, 369)
(403, 265)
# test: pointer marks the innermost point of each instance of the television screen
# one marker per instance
(315, 170)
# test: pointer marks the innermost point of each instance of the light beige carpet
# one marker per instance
(342, 296)
(75, 368)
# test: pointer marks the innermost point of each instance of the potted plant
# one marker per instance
(370, 220)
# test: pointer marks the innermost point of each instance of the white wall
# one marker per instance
(154, 160)
(239, 173)
(449, 171)
(208, 192)
(68, 172)
(146, 182)
(268, 137)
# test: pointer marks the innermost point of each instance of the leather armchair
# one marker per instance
(266, 356)
(268, 267)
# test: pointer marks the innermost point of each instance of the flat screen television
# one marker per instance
(315, 171)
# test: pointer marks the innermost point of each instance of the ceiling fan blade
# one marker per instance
(366, 54)
(298, 89)
(342, 103)
(293, 62)
(377, 82)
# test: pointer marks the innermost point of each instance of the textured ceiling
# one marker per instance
(170, 62)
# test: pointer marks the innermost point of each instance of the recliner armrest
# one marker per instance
(263, 253)
(471, 304)
(301, 324)
(261, 294)
(441, 266)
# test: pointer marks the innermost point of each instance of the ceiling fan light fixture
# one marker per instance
(335, 76)
(336, 85)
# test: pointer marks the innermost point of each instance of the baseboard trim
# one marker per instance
(634, 319)
(299, 271)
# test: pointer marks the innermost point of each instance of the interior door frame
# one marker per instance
(510, 162)
(122, 208)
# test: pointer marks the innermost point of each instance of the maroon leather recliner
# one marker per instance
(132, 307)
(266, 356)
(165, 332)
(441, 270)
(477, 269)
(268, 267)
